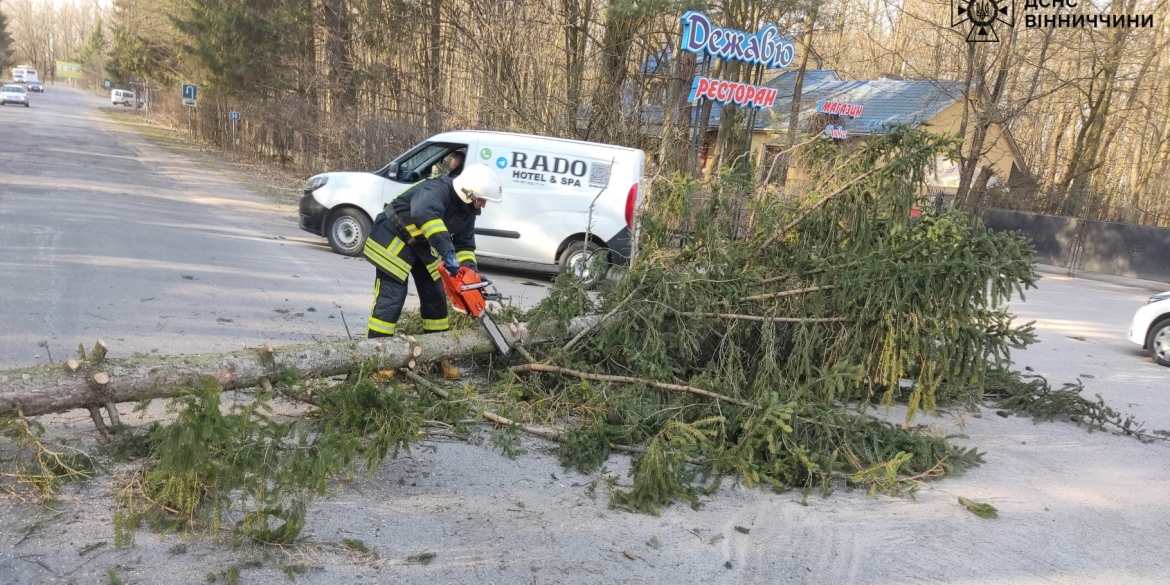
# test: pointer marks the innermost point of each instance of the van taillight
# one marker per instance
(631, 202)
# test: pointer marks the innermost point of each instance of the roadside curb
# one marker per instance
(1148, 285)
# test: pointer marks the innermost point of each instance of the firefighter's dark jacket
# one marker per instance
(439, 215)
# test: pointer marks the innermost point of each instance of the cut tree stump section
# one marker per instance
(52, 388)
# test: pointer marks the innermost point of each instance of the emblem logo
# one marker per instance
(982, 14)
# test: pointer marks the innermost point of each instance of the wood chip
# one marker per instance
(630, 555)
(410, 365)
(417, 351)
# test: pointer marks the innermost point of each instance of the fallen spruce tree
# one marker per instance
(796, 317)
(751, 338)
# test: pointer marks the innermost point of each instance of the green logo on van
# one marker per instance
(485, 153)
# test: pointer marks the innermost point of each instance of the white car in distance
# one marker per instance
(13, 94)
(1151, 328)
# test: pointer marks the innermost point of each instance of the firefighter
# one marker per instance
(429, 227)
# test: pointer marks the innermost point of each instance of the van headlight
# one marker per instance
(315, 183)
(1158, 297)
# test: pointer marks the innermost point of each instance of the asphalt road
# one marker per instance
(104, 234)
(1081, 326)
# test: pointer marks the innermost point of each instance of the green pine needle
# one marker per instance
(979, 508)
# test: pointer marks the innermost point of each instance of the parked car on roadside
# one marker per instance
(13, 94)
(566, 203)
(1151, 328)
(36, 86)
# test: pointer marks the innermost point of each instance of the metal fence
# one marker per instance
(1105, 247)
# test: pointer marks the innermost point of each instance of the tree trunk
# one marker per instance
(578, 15)
(337, 54)
(797, 90)
(621, 27)
(62, 387)
(435, 105)
(983, 121)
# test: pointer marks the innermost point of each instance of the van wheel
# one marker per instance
(347, 231)
(585, 260)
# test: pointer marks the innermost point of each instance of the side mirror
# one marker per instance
(392, 170)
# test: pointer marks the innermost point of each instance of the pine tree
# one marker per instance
(95, 45)
(241, 44)
(5, 43)
(142, 44)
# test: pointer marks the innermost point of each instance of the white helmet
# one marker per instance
(478, 181)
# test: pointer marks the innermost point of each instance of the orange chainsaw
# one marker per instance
(467, 294)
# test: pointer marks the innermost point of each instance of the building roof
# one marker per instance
(886, 101)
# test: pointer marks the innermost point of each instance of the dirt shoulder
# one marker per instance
(282, 186)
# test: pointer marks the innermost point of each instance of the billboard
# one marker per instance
(68, 70)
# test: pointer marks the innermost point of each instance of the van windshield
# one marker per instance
(12, 89)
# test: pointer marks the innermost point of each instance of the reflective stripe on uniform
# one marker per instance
(387, 260)
(433, 268)
(376, 324)
(433, 227)
(436, 324)
(377, 291)
(413, 229)
(465, 256)
(383, 263)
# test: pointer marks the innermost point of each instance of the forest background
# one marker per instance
(349, 84)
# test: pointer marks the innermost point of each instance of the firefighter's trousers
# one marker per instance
(394, 259)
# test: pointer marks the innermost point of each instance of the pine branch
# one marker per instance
(628, 380)
(775, 319)
(550, 434)
(815, 206)
(598, 322)
(979, 509)
(788, 293)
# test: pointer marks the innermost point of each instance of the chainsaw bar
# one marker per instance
(495, 334)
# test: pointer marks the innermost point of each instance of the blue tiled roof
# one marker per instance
(886, 101)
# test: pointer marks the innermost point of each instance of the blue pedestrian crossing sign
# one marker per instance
(233, 115)
(106, 84)
(190, 91)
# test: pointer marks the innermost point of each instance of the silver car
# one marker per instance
(13, 94)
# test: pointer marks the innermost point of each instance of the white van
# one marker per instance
(123, 97)
(549, 184)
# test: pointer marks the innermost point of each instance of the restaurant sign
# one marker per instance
(764, 47)
(730, 92)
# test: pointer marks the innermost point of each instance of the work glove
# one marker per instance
(451, 264)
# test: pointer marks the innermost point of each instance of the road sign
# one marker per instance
(233, 115)
(190, 103)
(190, 92)
(106, 84)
